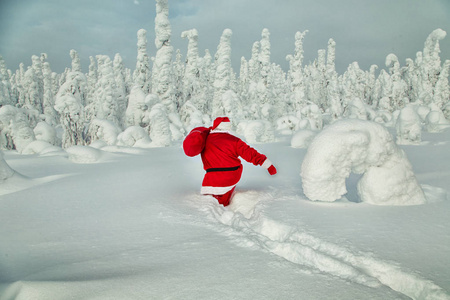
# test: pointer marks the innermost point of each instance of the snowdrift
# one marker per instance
(361, 147)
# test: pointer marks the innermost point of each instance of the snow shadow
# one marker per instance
(316, 255)
(351, 185)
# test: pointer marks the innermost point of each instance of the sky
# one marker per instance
(365, 31)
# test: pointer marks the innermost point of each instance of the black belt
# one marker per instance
(222, 169)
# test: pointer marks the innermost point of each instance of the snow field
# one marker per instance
(131, 225)
(249, 227)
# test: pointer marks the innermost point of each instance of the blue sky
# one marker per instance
(365, 31)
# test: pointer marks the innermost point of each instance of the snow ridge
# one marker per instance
(245, 223)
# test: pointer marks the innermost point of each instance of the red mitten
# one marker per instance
(272, 170)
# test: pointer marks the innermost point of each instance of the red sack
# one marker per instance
(195, 141)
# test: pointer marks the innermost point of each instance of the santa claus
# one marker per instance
(222, 164)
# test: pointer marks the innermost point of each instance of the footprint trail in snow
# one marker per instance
(245, 223)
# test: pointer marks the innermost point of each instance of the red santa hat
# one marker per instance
(221, 122)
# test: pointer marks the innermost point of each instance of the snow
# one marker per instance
(360, 147)
(302, 138)
(133, 226)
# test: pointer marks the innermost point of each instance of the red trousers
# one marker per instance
(225, 198)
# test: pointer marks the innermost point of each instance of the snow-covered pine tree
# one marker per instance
(333, 102)
(192, 71)
(264, 57)
(91, 90)
(14, 94)
(266, 95)
(431, 58)
(298, 97)
(222, 78)
(353, 84)
(382, 92)
(142, 76)
(159, 126)
(21, 93)
(243, 81)
(178, 74)
(136, 109)
(70, 108)
(76, 75)
(429, 64)
(106, 104)
(32, 97)
(55, 83)
(399, 86)
(76, 63)
(162, 72)
(441, 93)
(5, 85)
(39, 77)
(121, 98)
(15, 128)
(371, 79)
(48, 102)
(254, 83)
(69, 103)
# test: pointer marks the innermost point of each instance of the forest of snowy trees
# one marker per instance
(168, 94)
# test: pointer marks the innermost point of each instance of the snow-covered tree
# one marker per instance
(103, 130)
(107, 106)
(136, 108)
(429, 65)
(264, 56)
(69, 105)
(441, 93)
(431, 58)
(298, 98)
(178, 76)
(121, 89)
(191, 72)
(399, 86)
(15, 128)
(162, 79)
(48, 102)
(333, 99)
(159, 126)
(353, 83)
(222, 80)
(91, 90)
(162, 72)
(5, 84)
(205, 90)
(409, 126)
(142, 76)
(76, 64)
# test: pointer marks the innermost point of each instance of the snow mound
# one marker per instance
(361, 147)
(5, 170)
(84, 154)
(134, 136)
(41, 148)
(302, 138)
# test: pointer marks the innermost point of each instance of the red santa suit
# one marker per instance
(222, 164)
